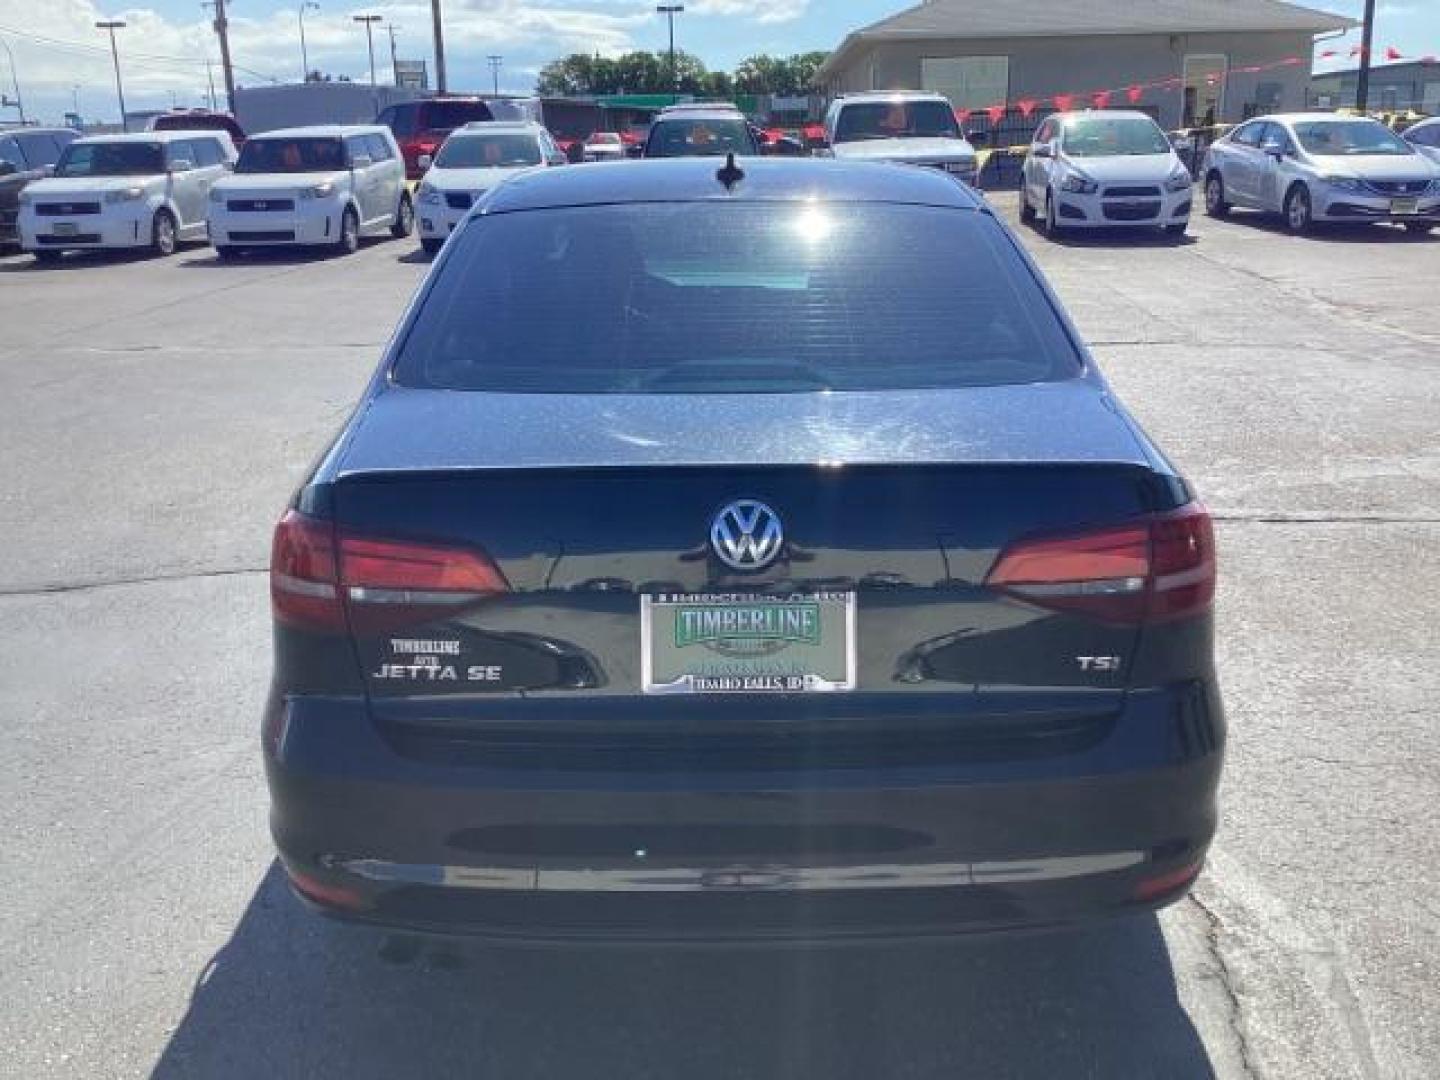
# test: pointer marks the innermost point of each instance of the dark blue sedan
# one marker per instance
(740, 552)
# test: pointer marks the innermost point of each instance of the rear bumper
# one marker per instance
(843, 854)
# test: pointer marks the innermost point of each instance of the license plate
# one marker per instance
(1404, 206)
(693, 643)
(65, 228)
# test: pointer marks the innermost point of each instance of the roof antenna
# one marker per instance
(731, 174)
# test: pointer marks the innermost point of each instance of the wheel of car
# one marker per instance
(227, 252)
(1299, 215)
(432, 247)
(162, 233)
(1027, 212)
(1052, 217)
(1215, 204)
(46, 256)
(404, 219)
(1420, 227)
(349, 241)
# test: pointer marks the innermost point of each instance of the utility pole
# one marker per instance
(1367, 35)
(370, 21)
(210, 75)
(222, 28)
(670, 11)
(308, 5)
(394, 61)
(112, 25)
(439, 47)
(495, 62)
(15, 82)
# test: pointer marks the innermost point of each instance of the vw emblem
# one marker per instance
(260, 204)
(747, 535)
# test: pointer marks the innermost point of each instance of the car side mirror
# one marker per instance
(424, 161)
(1275, 150)
(361, 161)
(181, 165)
(1043, 150)
(976, 138)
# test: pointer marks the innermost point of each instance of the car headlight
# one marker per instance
(1079, 184)
(318, 191)
(1342, 183)
(1179, 180)
(429, 194)
(129, 194)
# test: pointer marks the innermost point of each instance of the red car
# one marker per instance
(200, 120)
(420, 127)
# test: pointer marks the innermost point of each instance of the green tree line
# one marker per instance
(649, 73)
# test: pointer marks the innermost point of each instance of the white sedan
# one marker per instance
(474, 159)
(1097, 170)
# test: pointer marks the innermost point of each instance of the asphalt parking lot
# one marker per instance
(154, 417)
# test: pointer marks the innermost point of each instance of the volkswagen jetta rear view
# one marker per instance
(732, 553)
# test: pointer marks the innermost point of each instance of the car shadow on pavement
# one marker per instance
(1116, 238)
(207, 259)
(1359, 232)
(294, 995)
(417, 257)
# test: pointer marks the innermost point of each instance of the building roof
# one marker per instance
(970, 19)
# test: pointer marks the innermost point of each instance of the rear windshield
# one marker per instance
(1349, 138)
(732, 298)
(111, 159)
(896, 120)
(1119, 136)
(703, 136)
(291, 156)
(190, 122)
(448, 115)
(492, 151)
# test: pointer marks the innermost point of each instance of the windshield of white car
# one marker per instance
(111, 159)
(490, 151)
(896, 120)
(1349, 138)
(1114, 137)
(291, 156)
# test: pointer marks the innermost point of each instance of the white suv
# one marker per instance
(474, 159)
(125, 191)
(328, 185)
(906, 127)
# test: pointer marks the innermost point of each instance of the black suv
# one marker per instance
(26, 154)
(700, 131)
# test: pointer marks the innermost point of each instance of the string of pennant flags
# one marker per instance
(1135, 93)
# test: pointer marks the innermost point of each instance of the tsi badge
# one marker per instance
(746, 535)
(1098, 664)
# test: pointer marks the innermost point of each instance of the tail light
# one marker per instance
(317, 573)
(1157, 569)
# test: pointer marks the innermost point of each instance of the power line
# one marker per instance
(152, 60)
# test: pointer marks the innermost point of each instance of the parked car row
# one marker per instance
(1094, 170)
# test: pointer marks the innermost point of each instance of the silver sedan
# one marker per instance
(1321, 167)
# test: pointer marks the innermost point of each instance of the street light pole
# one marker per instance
(112, 25)
(394, 56)
(670, 11)
(308, 5)
(15, 82)
(435, 18)
(495, 62)
(1367, 36)
(370, 21)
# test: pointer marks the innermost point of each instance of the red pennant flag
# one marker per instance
(1392, 53)
(1134, 94)
(1101, 99)
(1027, 106)
(1429, 60)
(1064, 101)
(1328, 53)
(996, 113)
(962, 115)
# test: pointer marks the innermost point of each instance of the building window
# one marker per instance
(970, 82)
(1204, 91)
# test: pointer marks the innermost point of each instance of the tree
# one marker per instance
(649, 73)
(790, 75)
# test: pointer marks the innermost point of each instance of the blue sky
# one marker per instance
(164, 47)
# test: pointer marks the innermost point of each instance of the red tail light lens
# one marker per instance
(303, 588)
(1161, 568)
(315, 575)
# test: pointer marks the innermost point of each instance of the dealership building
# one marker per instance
(1393, 87)
(1194, 62)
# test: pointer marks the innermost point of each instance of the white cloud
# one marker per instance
(762, 11)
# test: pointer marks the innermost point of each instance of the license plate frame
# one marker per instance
(747, 643)
(1404, 207)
